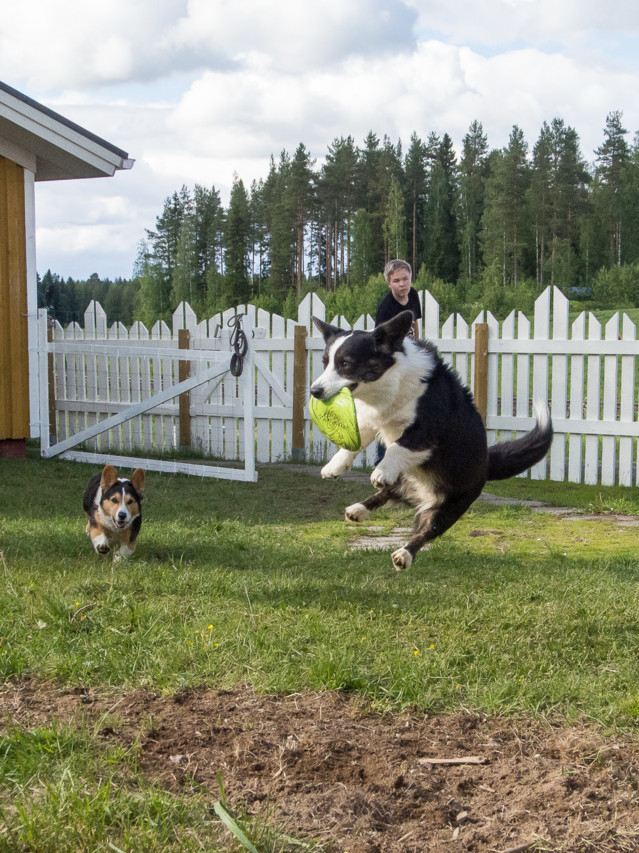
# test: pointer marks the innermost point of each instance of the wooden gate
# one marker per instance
(213, 366)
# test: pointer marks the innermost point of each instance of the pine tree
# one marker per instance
(363, 248)
(394, 223)
(416, 183)
(153, 298)
(612, 157)
(300, 201)
(184, 283)
(208, 223)
(259, 242)
(237, 240)
(504, 220)
(442, 250)
(280, 227)
(472, 177)
(338, 202)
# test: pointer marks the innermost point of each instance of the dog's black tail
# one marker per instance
(510, 458)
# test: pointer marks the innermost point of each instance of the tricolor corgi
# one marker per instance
(114, 510)
(436, 457)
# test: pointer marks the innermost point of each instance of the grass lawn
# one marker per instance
(513, 612)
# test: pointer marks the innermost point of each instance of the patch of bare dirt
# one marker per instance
(327, 768)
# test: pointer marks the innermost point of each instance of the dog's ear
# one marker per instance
(389, 336)
(109, 477)
(137, 480)
(326, 329)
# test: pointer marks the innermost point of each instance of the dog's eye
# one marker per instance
(115, 500)
(325, 360)
(130, 501)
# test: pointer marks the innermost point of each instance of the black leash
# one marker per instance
(239, 344)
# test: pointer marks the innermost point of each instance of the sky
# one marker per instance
(197, 91)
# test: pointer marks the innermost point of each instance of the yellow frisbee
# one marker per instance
(337, 419)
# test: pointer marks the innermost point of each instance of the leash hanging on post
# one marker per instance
(239, 344)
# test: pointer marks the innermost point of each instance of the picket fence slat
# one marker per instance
(587, 375)
(627, 407)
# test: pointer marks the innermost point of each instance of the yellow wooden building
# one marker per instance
(36, 144)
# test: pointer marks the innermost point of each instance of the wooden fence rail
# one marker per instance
(588, 374)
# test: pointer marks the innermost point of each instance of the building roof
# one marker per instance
(50, 145)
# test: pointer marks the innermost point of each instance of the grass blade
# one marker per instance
(226, 817)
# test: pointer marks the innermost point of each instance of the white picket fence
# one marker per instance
(588, 375)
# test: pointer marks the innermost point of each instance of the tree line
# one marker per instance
(491, 225)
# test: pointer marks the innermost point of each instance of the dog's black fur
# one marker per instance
(437, 457)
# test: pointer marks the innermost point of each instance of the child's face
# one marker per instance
(399, 284)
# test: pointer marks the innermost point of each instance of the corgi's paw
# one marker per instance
(101, 544)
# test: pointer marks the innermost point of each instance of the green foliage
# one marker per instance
(351, 302)
(616, 286)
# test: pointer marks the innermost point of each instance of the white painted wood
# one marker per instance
(559, 384)
(430, 321)
(627, 407)
(263, 396)
(278, 426)
(493, 374)
(507, 386)
(462, 356)
(576, 404)
(448, 336)
(593, 396)
(608, 442)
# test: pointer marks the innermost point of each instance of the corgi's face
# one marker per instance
(354, 359)
(119, 499)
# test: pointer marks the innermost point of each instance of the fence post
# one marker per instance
(184, 371)
(51, 382)
(299, 391)
(480, 392)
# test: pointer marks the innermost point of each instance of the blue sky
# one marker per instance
(197, 90)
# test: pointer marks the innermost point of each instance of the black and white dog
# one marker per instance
(436, 455)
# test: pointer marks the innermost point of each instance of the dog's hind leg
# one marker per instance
(431, 522)
(361, 511)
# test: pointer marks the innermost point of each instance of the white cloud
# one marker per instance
(537, 22)
(81, 44)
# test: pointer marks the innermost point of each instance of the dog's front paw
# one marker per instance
(124, 552)
(329, 471)
(356, 512)
(402, 559)
(382, 476)
(101, 544)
